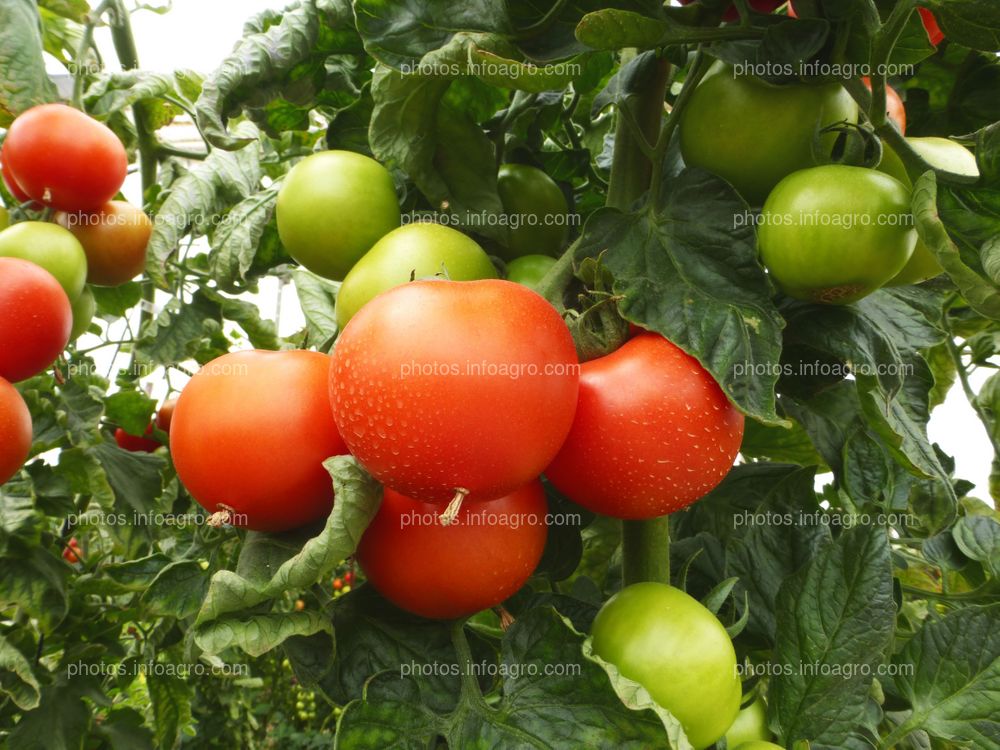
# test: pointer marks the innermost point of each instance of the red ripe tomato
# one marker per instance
(8, 178)
(441, 387)
(250, 433)
(15, 431)
(72, 552)
(893, 105)
(484, 556)
(35, 319)
(653, 432)
(934, 32)
(136, 444)
(62, 158)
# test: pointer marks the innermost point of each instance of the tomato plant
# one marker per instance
(60, 157)
(675, 648)
(382, 497)
(476, 562)
(835, 234)
(431, 375)
(415, 251)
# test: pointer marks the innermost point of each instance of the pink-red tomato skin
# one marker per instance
(445, 572)
(653, 433)
(15, 431)
(35, 319)
(250, 433)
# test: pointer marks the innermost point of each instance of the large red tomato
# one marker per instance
(484, 556)
(653, 432)
(63, 158)
(35, 319)
(445, 387)
(15, 431)
(250, 433)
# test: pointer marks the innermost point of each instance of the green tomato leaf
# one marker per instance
(978, 537)
(291, 568)
(317, 298)
(178, 590)
(684, 272)
(834, 628)
(35, 580)
(536, 710)
(74, 10)
(130, 410)
(441, 148)
(25, 83)
(973, 23)
(170, 699)
(17, 681)
(236, 238)
(259, 634)
(198, 197)
(949, 672)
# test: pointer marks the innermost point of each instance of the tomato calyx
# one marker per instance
(506, 618)
(454, 506)
(222, 517)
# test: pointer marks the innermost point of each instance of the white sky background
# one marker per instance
(197, 34)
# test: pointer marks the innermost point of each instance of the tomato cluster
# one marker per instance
(56, 157)
(827, 233)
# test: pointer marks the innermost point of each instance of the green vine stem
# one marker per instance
(645, 544)
(128, 56)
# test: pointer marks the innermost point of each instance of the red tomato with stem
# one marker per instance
(15, 431)
(443, 572)
(35, 319)
(249, 436)
(893, 105)
(653, 432)
(445, 387)
(61, 157)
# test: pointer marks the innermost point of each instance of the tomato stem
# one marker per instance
(646, 550)
(451, 512)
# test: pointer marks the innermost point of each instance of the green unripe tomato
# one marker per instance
(415, 251)
(4, 218)
(529, 269)
(536, 208)
(758, 745)
(750, 725)
(942, 154)
(83, 313)
(678, 650)
(332, 207)
(53, 248)
(835, 234)
(752, 133)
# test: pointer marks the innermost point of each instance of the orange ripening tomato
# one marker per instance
(893, 105)
(114, 240)
(250, 433)
(484, 556)
(445, 387)
(653, 432)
